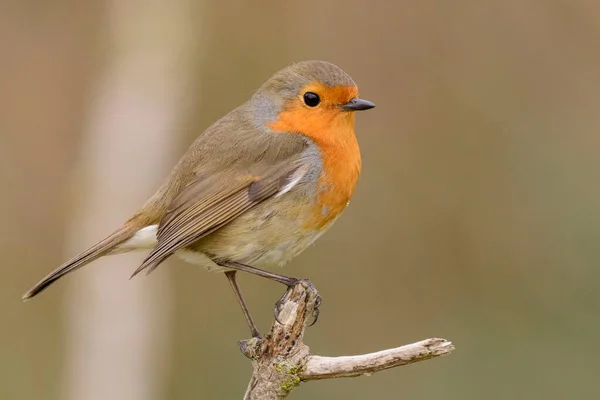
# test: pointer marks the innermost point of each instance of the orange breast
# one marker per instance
(341, 168)
(332, 130)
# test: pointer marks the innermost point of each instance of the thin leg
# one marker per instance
(285, 280)
(289, 282)
(238, 294)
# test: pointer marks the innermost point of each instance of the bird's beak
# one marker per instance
(357, 104)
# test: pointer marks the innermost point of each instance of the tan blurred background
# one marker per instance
(477, 217)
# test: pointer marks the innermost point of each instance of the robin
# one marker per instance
(256, 188)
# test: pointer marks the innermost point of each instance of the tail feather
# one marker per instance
(96, 251)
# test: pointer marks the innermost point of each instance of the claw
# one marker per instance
(316, 311)
(276, 311)
(279, 305)
(315, 318)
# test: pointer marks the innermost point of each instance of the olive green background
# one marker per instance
(476, 218)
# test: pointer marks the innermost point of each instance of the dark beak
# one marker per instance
(357, 105)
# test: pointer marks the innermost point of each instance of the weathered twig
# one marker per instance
(281, 360)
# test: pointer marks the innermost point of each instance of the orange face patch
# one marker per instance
(326, 122)
(330, 95)
(332, 130)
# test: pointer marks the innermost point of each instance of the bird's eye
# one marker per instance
(311, 99)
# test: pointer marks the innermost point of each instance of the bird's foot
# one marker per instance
(312, 319)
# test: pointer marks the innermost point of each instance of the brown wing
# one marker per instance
(206, 205)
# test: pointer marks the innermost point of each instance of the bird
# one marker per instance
(254, 189)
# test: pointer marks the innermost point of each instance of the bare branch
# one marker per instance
(281, 361)
(343, 367)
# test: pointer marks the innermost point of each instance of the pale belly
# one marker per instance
(262, 241)
(261, 238)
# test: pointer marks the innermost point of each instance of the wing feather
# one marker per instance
(206, 205)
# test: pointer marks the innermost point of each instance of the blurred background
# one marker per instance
(476, 218)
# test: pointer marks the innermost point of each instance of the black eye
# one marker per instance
(311, 99)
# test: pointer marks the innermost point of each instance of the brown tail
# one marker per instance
(96, 251)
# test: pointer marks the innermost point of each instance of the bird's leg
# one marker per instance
(238, 294)
(285, 280)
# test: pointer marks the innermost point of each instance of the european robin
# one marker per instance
(254, 189)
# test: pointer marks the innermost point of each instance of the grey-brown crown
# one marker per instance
(291, 79)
